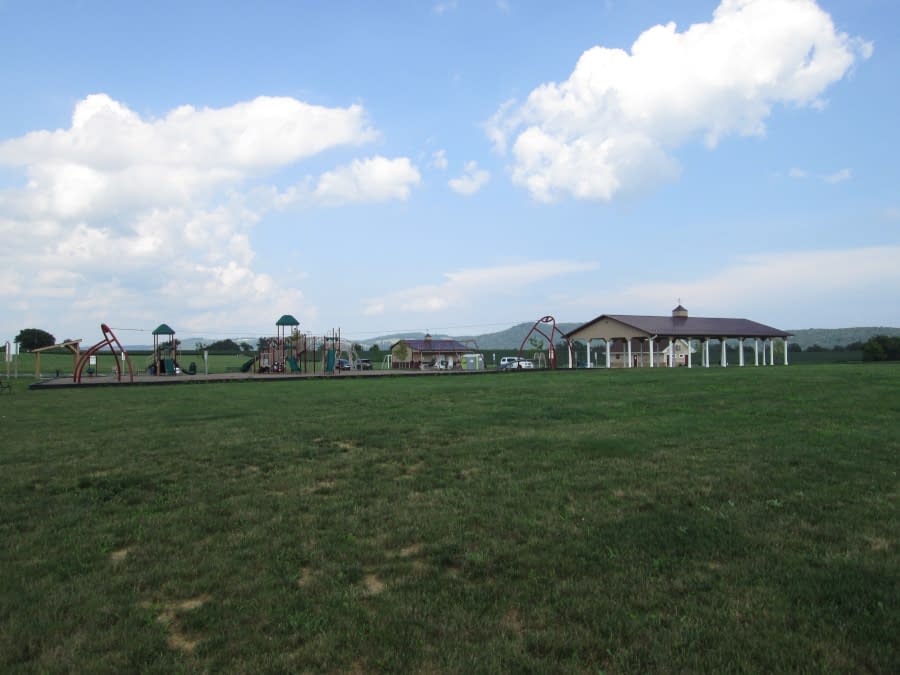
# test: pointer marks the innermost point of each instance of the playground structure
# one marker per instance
(539, 328)
(164, 360)
(334, 348)
(73, 346)
(288, 350)
(110, 342)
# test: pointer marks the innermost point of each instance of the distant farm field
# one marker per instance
(578, 521)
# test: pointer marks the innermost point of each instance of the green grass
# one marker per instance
(739, 520)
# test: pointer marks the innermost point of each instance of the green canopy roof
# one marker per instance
(287, 320)
(163, 329)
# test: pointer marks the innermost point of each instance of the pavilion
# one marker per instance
(634, 341)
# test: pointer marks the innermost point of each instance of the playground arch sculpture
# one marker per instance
(540, 327)
(112, 342)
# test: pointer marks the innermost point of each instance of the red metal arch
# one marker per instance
(539, 327)
(109, 340)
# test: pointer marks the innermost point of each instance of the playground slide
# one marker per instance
(169, 366)
(248, 365)
(190, 370)
(292, 362)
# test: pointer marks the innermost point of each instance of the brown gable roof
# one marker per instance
(694, 326)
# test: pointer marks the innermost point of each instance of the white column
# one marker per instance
(785, 351)
(741, 352)
(772, 352)
(608, 358)
(569, 349)
(755, 351)
(651, 353)
(724, 355)
(671, 352)
(689, 358)
(588, 342)
(629, 353)
(706, 352)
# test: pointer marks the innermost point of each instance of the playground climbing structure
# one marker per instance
(110, 342)
(546, 327)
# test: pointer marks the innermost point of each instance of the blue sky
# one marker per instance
(448, 166)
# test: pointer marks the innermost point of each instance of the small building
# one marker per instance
(427, 353)
(638, 341)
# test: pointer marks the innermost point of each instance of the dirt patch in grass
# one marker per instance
(120, 555)
(319, 487)
(181, 642)
(412, 550)
(410, 471)
(512, 622)
(373, 584)
(193, 603)
(453, 570)
(879, 544)
(305, 577)
(168, 617)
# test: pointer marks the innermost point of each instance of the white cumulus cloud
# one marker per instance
(790, 288)
(125, 215)
(466, 285)
(375, 179)
(472, 180)
(439, 159)
(613, 124)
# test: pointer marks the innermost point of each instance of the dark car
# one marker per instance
(342, 364)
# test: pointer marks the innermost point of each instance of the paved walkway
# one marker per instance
(156, 380)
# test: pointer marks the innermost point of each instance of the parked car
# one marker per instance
(363, 364)
(342, 364)
(508, 362)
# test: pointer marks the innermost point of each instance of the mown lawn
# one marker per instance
(625, 521)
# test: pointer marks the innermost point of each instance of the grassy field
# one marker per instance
(739, 520)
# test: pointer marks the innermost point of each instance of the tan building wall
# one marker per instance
(607, 329)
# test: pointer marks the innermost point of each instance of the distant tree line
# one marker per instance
(225, 347)
(882, 348)
(852, 347)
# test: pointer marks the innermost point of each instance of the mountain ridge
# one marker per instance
(513, 336)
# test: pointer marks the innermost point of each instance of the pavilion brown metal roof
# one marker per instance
(694, 326)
